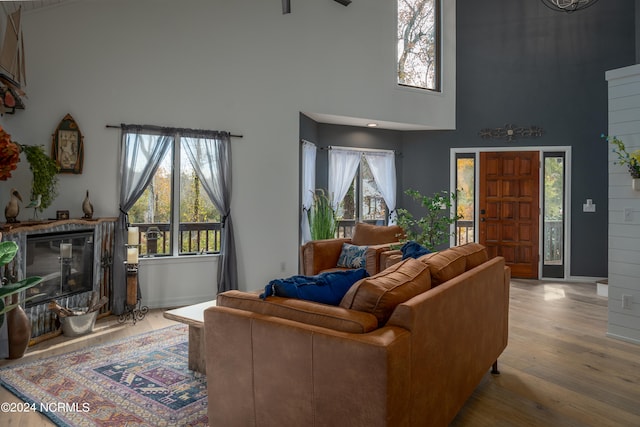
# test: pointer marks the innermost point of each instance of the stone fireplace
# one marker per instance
(74, 257)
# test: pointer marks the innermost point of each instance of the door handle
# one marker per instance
(482, 219)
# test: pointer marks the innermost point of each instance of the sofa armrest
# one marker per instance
(319, 255)
(308, 312)
(374, 254)
(389, 258)
(283, 372)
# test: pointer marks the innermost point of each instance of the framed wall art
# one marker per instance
(67, 147)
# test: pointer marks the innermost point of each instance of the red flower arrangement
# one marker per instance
(9, 155)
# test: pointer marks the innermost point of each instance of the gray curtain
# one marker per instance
(210, 155)
(140, 158)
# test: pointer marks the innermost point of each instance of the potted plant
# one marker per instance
(630, 160)
(43, 168)
(322, 218)
(19, 325)
(434, 228)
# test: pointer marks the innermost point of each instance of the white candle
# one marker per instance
(132, 236)
(132, 255)
(65, 250)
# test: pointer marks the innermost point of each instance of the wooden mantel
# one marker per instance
(31, 226)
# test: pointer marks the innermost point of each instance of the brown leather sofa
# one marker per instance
(322, 255)
(406, 347)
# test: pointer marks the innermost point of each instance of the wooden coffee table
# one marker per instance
(193, 315)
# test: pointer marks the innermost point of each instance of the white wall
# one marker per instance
(237, 65)
(624, 235)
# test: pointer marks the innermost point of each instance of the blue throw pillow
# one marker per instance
(353, 256)
(413, 249)
(325, 288)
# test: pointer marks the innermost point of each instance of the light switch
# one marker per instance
(589, 206)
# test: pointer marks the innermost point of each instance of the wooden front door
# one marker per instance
(509, 209)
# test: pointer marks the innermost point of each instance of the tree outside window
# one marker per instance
(160, 209)
(419, 44)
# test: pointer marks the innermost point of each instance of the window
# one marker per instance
(419, 43)
(174, 215)
(554, 218)
(362, 186)
(363, 201)
(465, 197)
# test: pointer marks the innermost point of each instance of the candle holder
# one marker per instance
(65, 271)
(133, 308)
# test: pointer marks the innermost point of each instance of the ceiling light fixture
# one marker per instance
(372, 125)
(286, 5)
(568, 5)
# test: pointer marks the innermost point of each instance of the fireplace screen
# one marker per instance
(63, 260)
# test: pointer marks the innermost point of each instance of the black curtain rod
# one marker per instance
(120, 127)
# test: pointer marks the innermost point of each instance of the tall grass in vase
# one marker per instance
(322, 218)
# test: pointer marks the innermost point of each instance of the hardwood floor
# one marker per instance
(559, 368)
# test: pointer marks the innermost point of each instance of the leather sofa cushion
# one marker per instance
(311, 313)
(366, 234)
(474, 253)
(444, 265)
(380, 294)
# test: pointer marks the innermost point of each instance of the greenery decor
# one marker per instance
(45, 174)
(8, 251)
(434, 228)
(43, 167)
(322, 218)
(631, 161)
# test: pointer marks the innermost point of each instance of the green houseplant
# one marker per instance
(434, 228)
(322, 218)
(43, 168)
(45, 174)
(8, 251)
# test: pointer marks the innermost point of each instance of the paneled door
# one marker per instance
(509, 209)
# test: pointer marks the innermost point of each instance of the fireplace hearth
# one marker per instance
(75, 256)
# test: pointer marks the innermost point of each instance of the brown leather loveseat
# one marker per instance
(406, 347)
(321, 255)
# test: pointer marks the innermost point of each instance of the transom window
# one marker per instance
(419, 43)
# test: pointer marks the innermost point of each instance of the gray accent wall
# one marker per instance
(523, 64)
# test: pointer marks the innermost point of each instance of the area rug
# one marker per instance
(138, 381)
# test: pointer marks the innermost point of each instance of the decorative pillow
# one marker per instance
(326, 288)
(474, 253)
(353, 256)
(444, 265)
(380, 294)
(413, 249)
(368, 234)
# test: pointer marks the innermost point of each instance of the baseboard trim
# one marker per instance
(623, 338)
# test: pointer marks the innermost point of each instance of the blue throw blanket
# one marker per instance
(413, 249)
(325, 288)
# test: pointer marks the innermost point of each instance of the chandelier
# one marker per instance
(568, 5)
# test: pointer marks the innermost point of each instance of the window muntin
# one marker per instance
(418, 49)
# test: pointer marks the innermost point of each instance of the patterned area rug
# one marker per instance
(138, 381)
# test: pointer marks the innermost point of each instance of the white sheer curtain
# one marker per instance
(140, 157)
(309, 151)
(383, 168)
(210, 156)
(343, 164)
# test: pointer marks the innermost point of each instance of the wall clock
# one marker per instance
(67, 148)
